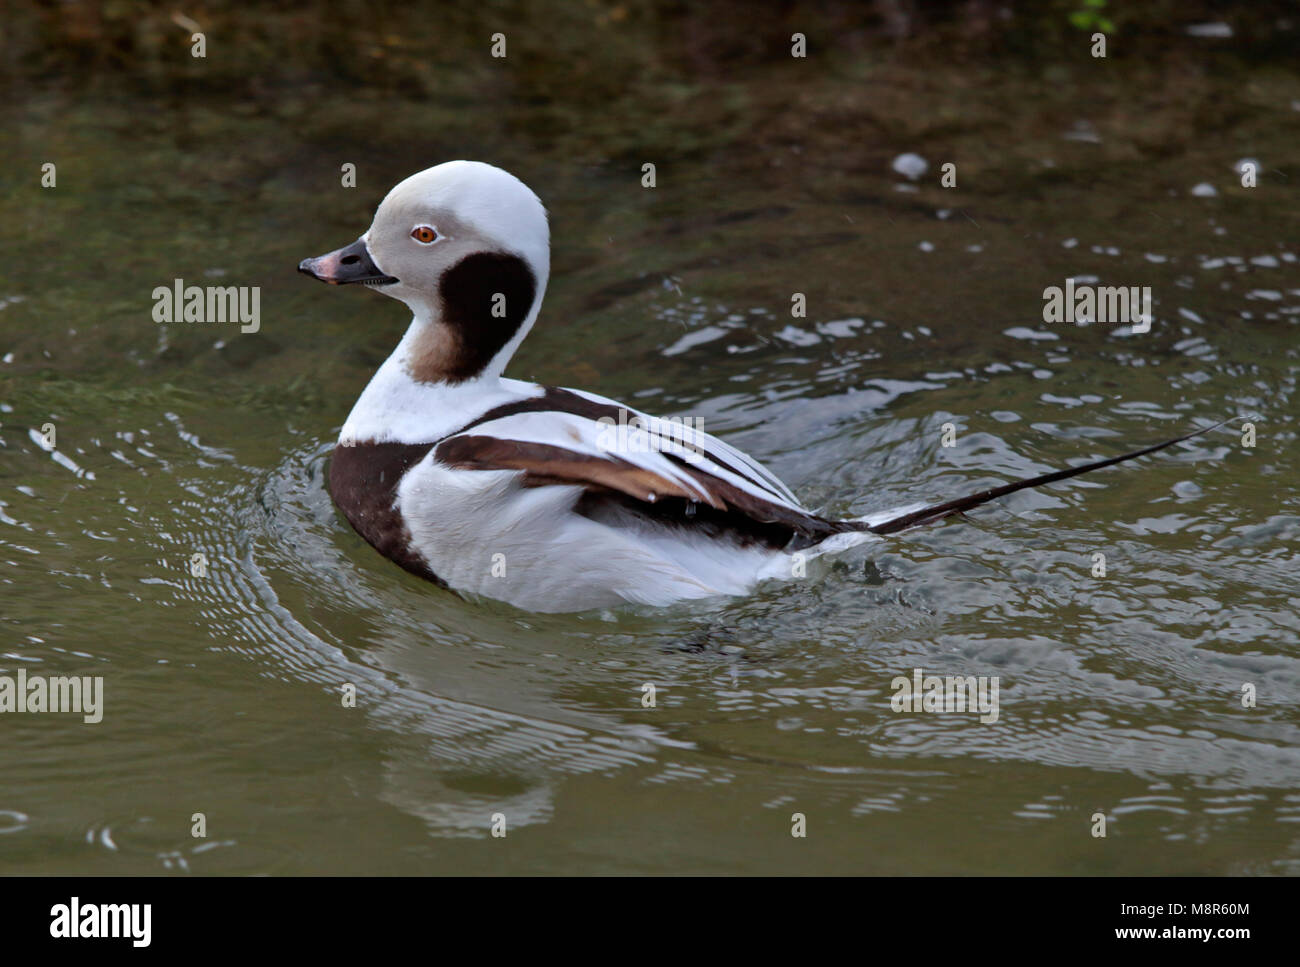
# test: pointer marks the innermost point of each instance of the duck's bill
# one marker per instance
(352, 263)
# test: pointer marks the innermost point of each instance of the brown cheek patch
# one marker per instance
(485, 299)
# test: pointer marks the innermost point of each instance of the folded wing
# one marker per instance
(635, 467)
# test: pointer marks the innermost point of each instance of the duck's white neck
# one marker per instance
(396, 408)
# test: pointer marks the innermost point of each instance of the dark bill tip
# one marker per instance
(347, 265)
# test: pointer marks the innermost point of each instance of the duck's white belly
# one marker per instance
(483, 533)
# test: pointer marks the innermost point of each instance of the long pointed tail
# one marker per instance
(935, 512)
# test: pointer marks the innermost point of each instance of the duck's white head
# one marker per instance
(467, 247)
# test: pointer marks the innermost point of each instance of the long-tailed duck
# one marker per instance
(550, 499)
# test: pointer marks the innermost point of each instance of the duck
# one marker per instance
(546, 498)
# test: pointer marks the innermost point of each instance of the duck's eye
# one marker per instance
(424, 234)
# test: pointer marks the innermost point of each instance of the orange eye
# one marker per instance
(424, 234)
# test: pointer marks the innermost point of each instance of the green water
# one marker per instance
(1119, 694)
